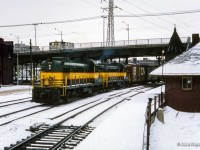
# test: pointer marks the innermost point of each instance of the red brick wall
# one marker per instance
(182, 100)
(6, 64)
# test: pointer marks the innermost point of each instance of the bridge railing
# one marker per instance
(127, 43)
(116, 44)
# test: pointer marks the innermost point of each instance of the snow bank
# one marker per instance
(180, 131)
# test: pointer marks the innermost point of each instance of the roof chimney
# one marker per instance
(195, 39)
(1, 40)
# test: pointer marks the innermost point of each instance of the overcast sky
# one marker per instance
(15, 12)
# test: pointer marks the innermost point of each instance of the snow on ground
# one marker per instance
(122, 129)
(12, 92)
(88, 115)
(4, 88)
(180, 131)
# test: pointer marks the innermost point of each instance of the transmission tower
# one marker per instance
(110, 29)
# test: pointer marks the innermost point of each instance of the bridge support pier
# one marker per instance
(159, 60)
(126, 61)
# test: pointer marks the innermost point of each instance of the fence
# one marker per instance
(152, 108)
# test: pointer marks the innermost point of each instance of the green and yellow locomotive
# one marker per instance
(62, 80)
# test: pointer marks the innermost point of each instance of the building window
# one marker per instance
(187, 83)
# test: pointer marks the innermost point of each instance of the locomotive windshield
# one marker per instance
(51, 66)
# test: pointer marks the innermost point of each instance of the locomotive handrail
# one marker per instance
(65, 85)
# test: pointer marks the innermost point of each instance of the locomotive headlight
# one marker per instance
(50, 65)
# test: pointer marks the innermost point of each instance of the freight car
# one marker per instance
(62, 80)
(139, 74)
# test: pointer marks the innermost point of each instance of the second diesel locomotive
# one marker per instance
(62, 80)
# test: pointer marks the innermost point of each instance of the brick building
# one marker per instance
(6, 62)
(182, 80)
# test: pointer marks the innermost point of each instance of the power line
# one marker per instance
(133, 15)
(161, 14)
(176, 19)
(98, 17)
(158, 14)
(54, 22)
(91, 3)
(148, 12)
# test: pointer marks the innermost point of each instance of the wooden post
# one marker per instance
(161, 99)
(148, 121)
(150, 100)
(155, 103)
(148, 128)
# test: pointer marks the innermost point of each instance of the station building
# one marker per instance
(182, 80)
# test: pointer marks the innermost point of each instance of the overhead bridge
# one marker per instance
(99, 50)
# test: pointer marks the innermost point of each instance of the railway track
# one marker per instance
(36, 112)
(94, 103)
(65, 137)
(60, 115)
(5, 115)
(61, 136)
(14, 102)
(54, 137)
(23, 116)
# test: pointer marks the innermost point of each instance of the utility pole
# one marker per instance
(31, 67)
(61, 42)
(18, 63)
(60, 34)
(104, 17)
(127, 28)
(162, 59)
(110, 28)
(35, 28)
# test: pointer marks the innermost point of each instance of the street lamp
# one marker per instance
(60, 32)
(17, 57)
(104, 17)
(35, 28)
(127, 25)
(163, 51)
(61, 37)
(162, 58)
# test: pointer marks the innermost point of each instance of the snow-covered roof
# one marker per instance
(188, 63)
